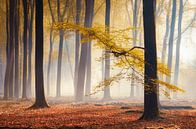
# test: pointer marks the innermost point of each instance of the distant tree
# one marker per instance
(25, 36)
(77, 43)
(30, 44)
(40, 101)
(7, 70)
(171, 39)
(8, 83)
(151, 109)
(88, 65)
(83, 56)
(178, 43)
(51, 49)
(17, 23)
(107, 54)
(135, 9)
(60, 51)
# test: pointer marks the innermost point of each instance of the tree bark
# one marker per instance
(40, 101)
(171, 40)
(176, 72)
(107, 95)
(17, 23)
(83, 56)
(30, 50)
(151, 109)
(77, 44)
(25, 13)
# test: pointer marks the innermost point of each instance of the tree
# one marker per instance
(107, 54)
(176, 72)
(151, 109)
(30, 42)
(83, 56)
(51, 49)
(8, 83)
(88, 65)
(40, 101)
(60, 52)
(171, 39)
(25, 21)
(77, 43)
(136, 7)
(17, 23)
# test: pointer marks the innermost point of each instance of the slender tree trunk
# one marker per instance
(6, 79)
(135, 23)
(40, 101)
(50, 51)
(77, 43)
(17, 22)
(88, 65)
(49, 63)
(12, 30)
(83, 56)
(176, 72)
(30, 50)
(151, 109)
(107, 55)
(24, 90)
(58, 90)
(171, 39)
(165, 39)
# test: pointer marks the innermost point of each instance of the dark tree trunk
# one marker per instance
(83, 56)
(77, 43)
(40, 101)
(151, 109)
(25, 13)
(30, 50)
(88, 65)
(12, 30)
(6, 79)
(176, 72)
(107, 55)
(17, 18)
(171, 39)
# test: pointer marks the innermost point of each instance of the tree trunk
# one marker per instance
(107, 55)
(165, 39)
(171, 40)
(58, 86)
(151, 109)
(12, 30)
(6, 79)
(77, 43)
(88, 65)
(83, 56)
(50, 51)
(30, 50)
(24, 90)
(49, 63)
(135, 23)
(40, 101)
(17, 22)
(176, 72)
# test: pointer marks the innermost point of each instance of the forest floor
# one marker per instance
(121, 114)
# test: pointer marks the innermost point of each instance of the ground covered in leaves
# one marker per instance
(123, 114)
